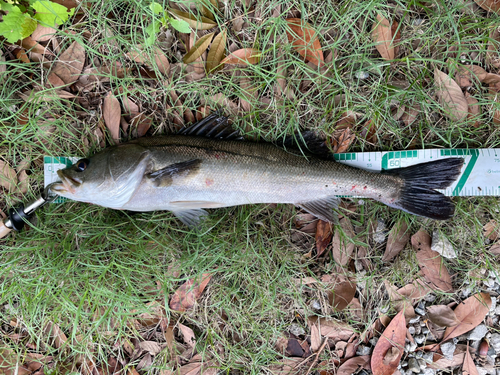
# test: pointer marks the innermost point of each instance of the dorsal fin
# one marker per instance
(214, 125)
(308, 142)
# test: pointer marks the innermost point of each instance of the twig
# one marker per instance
(317, 355)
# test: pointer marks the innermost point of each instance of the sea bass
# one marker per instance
(189, 172)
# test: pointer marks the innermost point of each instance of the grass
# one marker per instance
(92, 271)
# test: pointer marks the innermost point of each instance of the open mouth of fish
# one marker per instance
(68, 184)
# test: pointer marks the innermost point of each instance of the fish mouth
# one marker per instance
(68, 184)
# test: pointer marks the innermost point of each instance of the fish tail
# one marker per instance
(419, 197)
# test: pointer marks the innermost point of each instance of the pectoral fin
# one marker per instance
(191, 218)
(322, 208)
(163, 177)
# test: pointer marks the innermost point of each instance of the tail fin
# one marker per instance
(419, 197)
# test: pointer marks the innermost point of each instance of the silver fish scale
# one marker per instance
(234, 173)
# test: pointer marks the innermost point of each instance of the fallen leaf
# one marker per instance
(315, 338)
(21, 55)
(43, 33)
(442, 315)
(495, 249)
(431, 263)
(10, 363)
(305, 40)
(469, 368)
(393, 354)
(151, 347)
(32, 45)
(70, 63)
(198, 48)
(396, 35)
(410, 115)
(342, 141)
(393, 337)
(490, 230)
(342, 248)
(414, 291)
(216, 52)
(244, 56)
(23, 176)
(161, 61)
(111, 112)
(492, 57)
(382, 35)
(8, 177)
(56, 336)
(489, 5)
(397, 240)
(203, 23)
(353, 365)
(444, 362)
(54, 81)
(185, 297)
(344, 289)
(470, 313)
(474, 114)
(450, 96)
(324, 234)
(333, 329)
(141, 123)
(188, 335)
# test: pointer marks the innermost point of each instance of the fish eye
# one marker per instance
(82, 164)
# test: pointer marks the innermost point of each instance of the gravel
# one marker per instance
(442, 245)
(448, 348)
(413, 365)
(478, 333)
(495, 342)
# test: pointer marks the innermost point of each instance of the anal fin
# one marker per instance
(322, 208)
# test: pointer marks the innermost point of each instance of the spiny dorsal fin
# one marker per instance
(212, 126)
(164, 176)
(308, 142)
(322, 208)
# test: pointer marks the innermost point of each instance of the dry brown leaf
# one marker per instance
(305, 41)
(333, 329)
(470, 313)
(161, 61)
(342, 142)
(216, 52)
(152, 347)
(410, 115)
(489, 5)
(70, 63)
(492, 57)
(54, 81)
(398, 238)
(32, 45)
(8, 177)
(490, 230)
(474, 108)
(198, 48)
(431, 263)
(315, 338)
(43, 33)
(141, 123)
(469, 368)
(382, 35)
(10, 363)
(111, 112)
(444, 362)
(353, 365)
(343, 292)
(414, 291)
(342, 248)
(248, 92)
(220, 100)
(396, 34)
(442, 315)
(450, 96)
(203, 23)
(324, 234)
(56, 336)
(495, 249)
(23, 176)
(188, 335)
(185, 297)
(244, 56)
(21, 55)
(393, 337)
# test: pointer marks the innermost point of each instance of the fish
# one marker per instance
(208, 166)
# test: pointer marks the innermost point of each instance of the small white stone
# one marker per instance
(296, 330)
(493, 305)
(478, 333)
(495, 342)
(410, 347)
(415, 320)
(428, 357)
(441, 244)
(364, 350)
(448, 348)
(379, 235)
(429, 371)
(419, 339)
(315, 305)
(430, 297)
(486, 371)
(413, 365)
(418, 22)
(466, 292)
(362, 75)
(411, 330)
(422, 363)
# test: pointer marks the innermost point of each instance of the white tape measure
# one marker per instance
(480, 175)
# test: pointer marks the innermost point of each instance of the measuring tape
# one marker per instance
(480, 175)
